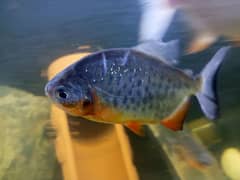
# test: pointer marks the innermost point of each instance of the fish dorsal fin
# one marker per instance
(135, 127)
(176, 119)
(167, 52)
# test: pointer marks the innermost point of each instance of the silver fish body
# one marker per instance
(127, 85)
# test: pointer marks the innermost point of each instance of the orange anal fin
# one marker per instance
(175, 121)
(135, 127)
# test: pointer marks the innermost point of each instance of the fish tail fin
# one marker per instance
(207, 96)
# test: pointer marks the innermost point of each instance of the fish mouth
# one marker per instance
(46, 90)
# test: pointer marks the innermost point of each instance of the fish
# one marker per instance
(208, 19)
(156, 17)
(135, 86)
(188, 151)
(183, 149)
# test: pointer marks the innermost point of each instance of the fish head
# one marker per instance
(71, 92)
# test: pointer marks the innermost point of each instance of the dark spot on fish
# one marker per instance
(111, 90)
(133, 85)
(149, 80)
(130, 92)
(135, 72)
(132, 100)
(115, 102)
(169, 81)
(143, 108)
(118, 78)
(139, 93)
(150, 96)
(155, 85)
(110, 79)
(145, 100)
(146, 89)
(165, 88)
(151, 69)
(124, 86)
(139, 83)
(118, 93)
(130, 79)
(138, 103)
(160, 76)
(124, 100)
(150, 106)
(131, 70)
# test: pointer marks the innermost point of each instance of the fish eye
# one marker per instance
(61, 93)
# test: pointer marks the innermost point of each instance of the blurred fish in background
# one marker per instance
(189, 156)
(156, 18)
(208, 19)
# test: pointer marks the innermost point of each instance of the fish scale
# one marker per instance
(137, 99)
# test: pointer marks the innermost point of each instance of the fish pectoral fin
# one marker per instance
(176, 119)
(137, 128)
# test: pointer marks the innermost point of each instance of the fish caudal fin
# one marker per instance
(207, 95)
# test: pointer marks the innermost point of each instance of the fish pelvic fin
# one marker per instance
(135, 128)
(176, 119)
(207, 96)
